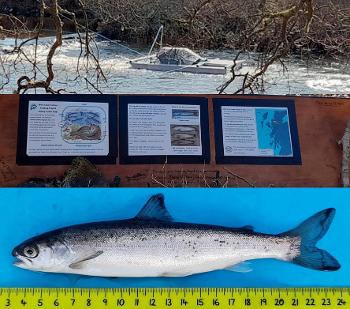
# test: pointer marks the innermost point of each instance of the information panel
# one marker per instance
(161, 129)
(256, 132)
(55, 129)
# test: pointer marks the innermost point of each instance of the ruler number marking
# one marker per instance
(310, 302)
(152, 302)
(88, 302)
(341, 302)
(173, 298)
(168, 302)
(279, 301)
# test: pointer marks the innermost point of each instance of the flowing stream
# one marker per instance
(298, 76)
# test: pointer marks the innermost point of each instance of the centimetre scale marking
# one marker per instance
(184, 298)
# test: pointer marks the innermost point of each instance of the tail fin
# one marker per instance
(311, 231)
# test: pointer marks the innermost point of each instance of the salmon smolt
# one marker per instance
(153, 245)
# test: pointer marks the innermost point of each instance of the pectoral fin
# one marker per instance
(79, 264)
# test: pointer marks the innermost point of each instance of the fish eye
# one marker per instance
(30, 252)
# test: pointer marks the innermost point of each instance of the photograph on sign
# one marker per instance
(65, 128)
(260, 132)
(160, 129)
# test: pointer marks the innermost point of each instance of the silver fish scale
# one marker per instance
(174, 249)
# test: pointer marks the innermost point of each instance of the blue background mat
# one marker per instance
(28, 212)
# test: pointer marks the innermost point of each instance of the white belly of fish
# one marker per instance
(175, 255)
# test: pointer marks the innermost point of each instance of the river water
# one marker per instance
(298, 76)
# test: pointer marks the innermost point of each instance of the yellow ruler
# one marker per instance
(184, 298)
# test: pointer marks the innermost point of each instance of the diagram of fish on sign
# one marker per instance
(197, 220)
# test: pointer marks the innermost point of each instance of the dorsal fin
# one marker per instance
(155, 209)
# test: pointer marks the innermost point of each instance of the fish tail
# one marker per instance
(311, 231)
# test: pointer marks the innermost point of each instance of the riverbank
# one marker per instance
(205, 24)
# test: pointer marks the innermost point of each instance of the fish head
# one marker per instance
(41, 254)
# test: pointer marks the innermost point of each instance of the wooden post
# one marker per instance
(345, 142)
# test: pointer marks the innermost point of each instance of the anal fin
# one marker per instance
(248, 228)
(243, 267)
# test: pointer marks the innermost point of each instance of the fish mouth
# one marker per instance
(22, 262)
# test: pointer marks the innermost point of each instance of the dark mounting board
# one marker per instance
(273, 160)
(125, 100)
(24, 159)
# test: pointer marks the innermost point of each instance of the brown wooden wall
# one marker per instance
(321, 123)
